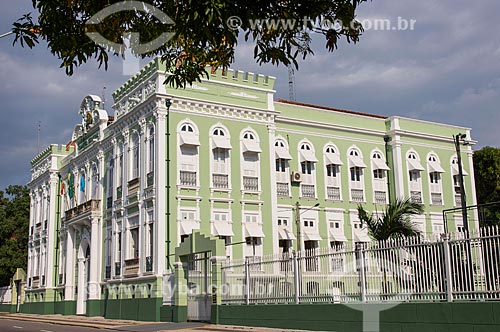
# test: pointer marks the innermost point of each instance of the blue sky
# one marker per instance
(446, 70)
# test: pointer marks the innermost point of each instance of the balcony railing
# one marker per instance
(118, 269)
(108, 272)
(357, 195)
(220, 181)
(380, 197)
(333, 193)
(416, 197)
(250, 183)
(458, 200)
(282, 189)
(150, 179)
(308, 190)
(133, 185)
(94, 205)
(132, 266)
(149, 264)
(187, 178)
(436, 199)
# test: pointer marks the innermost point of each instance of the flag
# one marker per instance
(62, 188)
(82, 183)
(71, 184)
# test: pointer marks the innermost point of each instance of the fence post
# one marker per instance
(447, 267)
(362, 272)
(296, 281)
(247, 281)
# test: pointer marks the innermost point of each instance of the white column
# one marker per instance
(95, 260)
(143, 184)
(160, 174)
(397, 165)
(51, 230)
(70, 266)
(126, 156)
(82, 291)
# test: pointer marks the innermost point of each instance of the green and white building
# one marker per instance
(220, 168)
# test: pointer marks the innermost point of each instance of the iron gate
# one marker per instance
(199, 286)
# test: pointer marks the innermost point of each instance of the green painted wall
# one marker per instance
(133, 309)
(7, 308)
(421, 317)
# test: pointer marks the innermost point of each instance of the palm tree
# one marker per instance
(394, 223)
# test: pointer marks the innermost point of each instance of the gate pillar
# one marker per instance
(180, 294)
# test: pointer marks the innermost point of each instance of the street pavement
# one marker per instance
(59, 323)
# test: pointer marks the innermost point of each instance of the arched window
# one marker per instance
(282, 158)
(332, 164)
(151, 149)
(95, 182)
(188, 154)
(109, 178)
(356, 167)
(414, 177)
(435, 183)
(221, 145)
(308, 170)
(250, 166)
(120, 167)
(379, 169)
(135, 156)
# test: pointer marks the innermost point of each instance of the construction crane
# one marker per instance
(291, 83)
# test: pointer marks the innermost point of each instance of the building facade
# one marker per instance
(113, 210)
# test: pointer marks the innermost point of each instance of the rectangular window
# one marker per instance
(281, 165)
(220, 161)
(435, 177)
(134, 243)
(356, 174)
(282, 222)
(414, 176)
(188, 215)
(221, 216)
(378, 174)
(332, 171)
(307, 167)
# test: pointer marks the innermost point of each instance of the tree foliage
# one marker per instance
(205, 31)
(395, 222)
(487, 176)
(14, 230)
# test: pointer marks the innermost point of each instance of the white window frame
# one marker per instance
(135, 156)
(216, 155)
(250, 168)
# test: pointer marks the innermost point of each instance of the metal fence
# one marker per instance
(453, 267)
(5, 295)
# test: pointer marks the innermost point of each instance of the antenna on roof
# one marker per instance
(38, 136)
(104, 98)
(291, 83)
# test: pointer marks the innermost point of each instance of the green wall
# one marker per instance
(408, 317)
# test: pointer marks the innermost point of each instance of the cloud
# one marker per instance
(446, 70)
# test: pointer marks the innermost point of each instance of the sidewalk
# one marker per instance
(133, 326)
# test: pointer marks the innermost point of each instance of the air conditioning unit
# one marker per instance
(296, 177)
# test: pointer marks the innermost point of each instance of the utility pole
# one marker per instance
(297, 223)
(457, 140)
